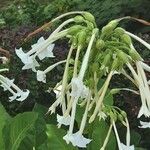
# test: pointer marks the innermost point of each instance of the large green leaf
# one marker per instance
(98, 131)
(55, 139)
(19, 127)
(3, 118)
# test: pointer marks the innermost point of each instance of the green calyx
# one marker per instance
(89, 17)
(100, 44)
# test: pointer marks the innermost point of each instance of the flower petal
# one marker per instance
(41, 76)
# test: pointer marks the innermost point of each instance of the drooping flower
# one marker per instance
(41, 76)
(18, 94)
(125, 147)
(78, 88)
(144, 124)
(79, 140)
(65, 120)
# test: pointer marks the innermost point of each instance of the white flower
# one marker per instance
(31, 64)
(125, 147)
(25, 58)
(148, 82)
(63, 120)
(47, 52)
(41, 76)
(44, 51)
(22, 95)
(57, 91)
(79, 140)
(78, 88)
(144, 111)
(144, 124)
(18, 95)
(8, 83)
(68, 138)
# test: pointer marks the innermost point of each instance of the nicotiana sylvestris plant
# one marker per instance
(94, 54)
(8, 84)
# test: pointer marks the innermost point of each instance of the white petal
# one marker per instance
(68, 138)
(31, 65)
(23, 95)
(57, 91)
(63, 120)
(125, 147)
(46, 52)
(39, 42)
(23, 56)
(85, 92)
(79, 140)
(144, 111)
(144, 124)
(12, 98)
(77, 87)
(41, 76)
(8, 82)
(149, 82)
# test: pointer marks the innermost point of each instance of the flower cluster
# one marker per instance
(94, 54)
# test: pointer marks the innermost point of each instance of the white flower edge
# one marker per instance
(125, 147)
(144, 124)
(63, 120)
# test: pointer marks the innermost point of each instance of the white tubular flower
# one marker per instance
(31, 64)
(63, 120)
(79, 140)
(125, 147)
(41, 76)
(57, 91)
(22, 95)
(47, 52)
(143, 111)
(78, 88)
(9, 84)
(68, 138)
(144, 124)
(25, 58)
(19, 95)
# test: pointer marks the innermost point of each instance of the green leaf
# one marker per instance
(55, 139)
(4, 117)
(98, 132)
(19, 127)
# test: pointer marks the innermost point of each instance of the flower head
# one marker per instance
(125, 147)
(41, 76)
(144, 124)
(63, 120)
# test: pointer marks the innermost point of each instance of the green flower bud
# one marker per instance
(113, 116)
(115, 64)
(88, 16)
(82, 38)
(119, 31)
(106, 59)
(78, 19)
(74, 29)
(134, 55)
(126, 38)
(124, 114)
(100, 44)
(114, 91)
(107, 30)
(122, 56)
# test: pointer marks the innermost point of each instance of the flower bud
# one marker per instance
(88, 16)
(123, 113)
(126, 39)
(81, 38)
(119, 31)
(100, 44)
(76, 28)
(78, 19)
